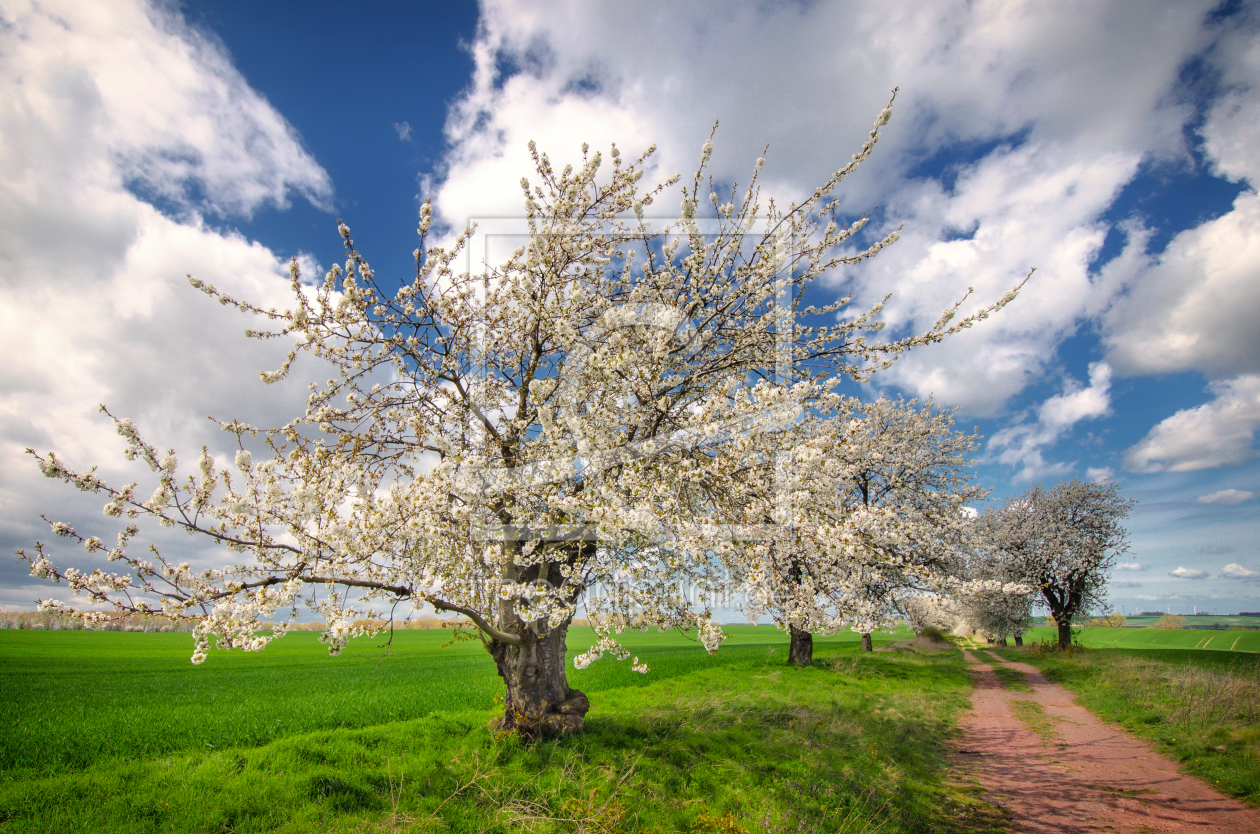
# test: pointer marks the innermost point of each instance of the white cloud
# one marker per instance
(1061, 79)
(1126, 584)
(1235, 571)
(1099, 474)
(1188, 573)
(1214, 548)
(1031, 206)
(1217, 433)
(130, 94)
(1195, 305)
(403, 129)
(97, 103)
(1022, 444)
(1131, 566)
(1226, 496)
(1231, 131)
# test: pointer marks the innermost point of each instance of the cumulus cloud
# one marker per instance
(1193, 306)
(1131, 566)
(1231, 131)
(1217, 433)
(161, 107)
(403, 129)
(99, 113)
(1235, 571)
(1226, 496)
(1022, 444)
(1099, 474)
(1188, 573)
(1047, 113)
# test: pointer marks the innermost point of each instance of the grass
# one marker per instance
(120, 694)
(1035, 719)
(1011, 679)
(295, 741)
(1229, 640)
(1226, 620)
(1198, 706)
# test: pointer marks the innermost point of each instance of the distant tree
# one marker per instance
(1064, 540)
(1113, 620)
(870, 500)
(932, 611)
(1003, 608)
(1171, 621)
(1001, 615)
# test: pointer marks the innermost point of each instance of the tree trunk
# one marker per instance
(1019, 639)
(1065, 632)
(1002, 642)
(801, 652)
(866, 642)
(539, 702)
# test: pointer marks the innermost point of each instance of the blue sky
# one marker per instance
(1117, 152)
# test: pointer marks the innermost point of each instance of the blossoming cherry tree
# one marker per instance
(496, 443)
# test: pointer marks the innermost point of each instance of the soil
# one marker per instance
(1077, 773)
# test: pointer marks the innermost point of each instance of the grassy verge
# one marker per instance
(1201, 708)
(1036, 720)
(1011, 679)
(858, 743)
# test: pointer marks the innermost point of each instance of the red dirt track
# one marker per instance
(1091, 777)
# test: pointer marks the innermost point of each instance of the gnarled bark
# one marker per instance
(1019, 639)
(539, 702)
(801, 652)
(866, 642)
(1065, 632)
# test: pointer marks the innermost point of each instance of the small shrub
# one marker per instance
(933, 634)
(1050, 648)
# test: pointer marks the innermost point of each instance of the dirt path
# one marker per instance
(1076, 773)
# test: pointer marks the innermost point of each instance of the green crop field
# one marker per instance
(119, 732)
(113, 732)
(1199, 620)
(1230, 640)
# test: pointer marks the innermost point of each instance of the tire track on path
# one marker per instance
(1080, 774)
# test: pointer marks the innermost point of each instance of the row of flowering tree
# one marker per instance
(1063, 541)
(1053, 544)
(621, 403)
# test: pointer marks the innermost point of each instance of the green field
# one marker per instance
(118, 732)
(1198, 620)
(108, 732)
(1237, 640)
(120, 694)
